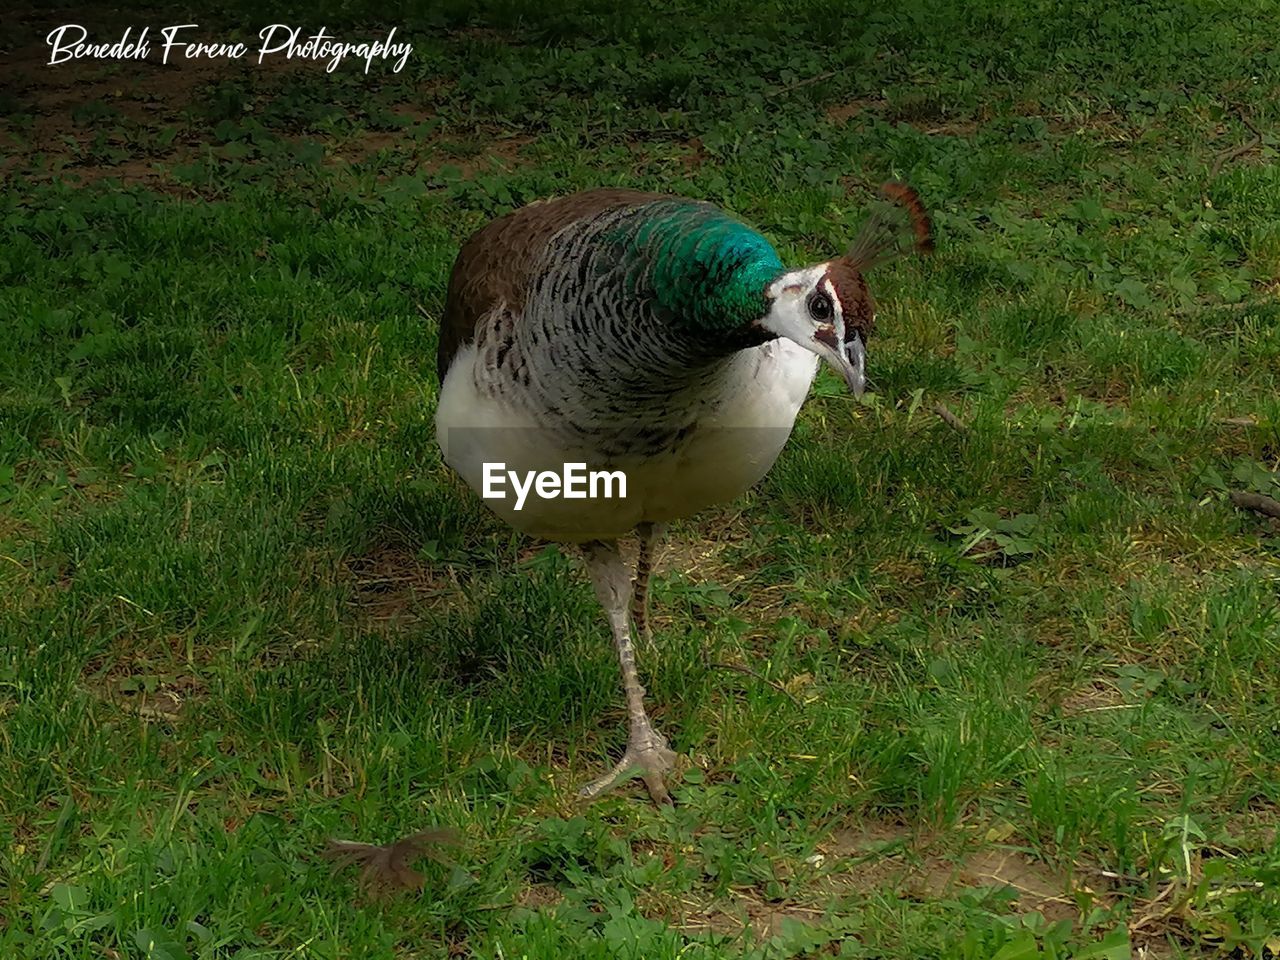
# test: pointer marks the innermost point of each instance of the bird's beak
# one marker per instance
(849, 359)
(853, 365)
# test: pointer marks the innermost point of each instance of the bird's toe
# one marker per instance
(648, 757)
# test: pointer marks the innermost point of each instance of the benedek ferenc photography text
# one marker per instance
(178, 42)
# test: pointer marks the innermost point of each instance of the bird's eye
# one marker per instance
(820, 306)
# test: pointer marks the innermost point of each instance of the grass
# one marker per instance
(1007, 692)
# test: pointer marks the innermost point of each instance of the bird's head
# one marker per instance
(827, 308)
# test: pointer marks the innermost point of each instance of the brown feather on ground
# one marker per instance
(386, 867)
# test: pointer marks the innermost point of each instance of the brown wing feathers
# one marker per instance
(496, 264)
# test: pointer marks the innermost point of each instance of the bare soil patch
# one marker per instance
(390, 586)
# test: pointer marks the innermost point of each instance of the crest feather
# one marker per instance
(898, 225)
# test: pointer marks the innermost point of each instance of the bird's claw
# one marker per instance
(648, 756)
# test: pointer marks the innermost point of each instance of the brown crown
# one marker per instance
(855, 299)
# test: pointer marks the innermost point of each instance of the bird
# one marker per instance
(653, 336)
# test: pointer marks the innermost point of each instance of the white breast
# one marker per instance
(733, 446)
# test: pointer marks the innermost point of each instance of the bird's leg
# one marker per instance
(648, 755)
(648, 533)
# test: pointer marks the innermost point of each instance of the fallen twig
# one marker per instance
(1257, 502)
(1239, 421)
(1152, 915)
(1228, 155)
(1240, 306)
(949, 418)
(740, 668)
(801, 83)
(1253, 127)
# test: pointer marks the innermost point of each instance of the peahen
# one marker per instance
(651, 335)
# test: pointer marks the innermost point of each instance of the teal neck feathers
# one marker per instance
(707, 272)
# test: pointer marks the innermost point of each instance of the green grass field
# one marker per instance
(1007, 691)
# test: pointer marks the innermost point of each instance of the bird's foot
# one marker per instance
(648, 756)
